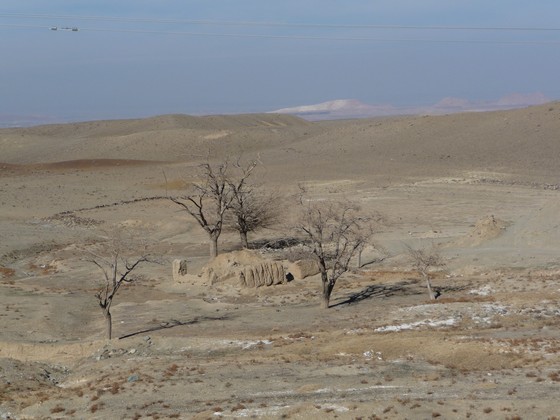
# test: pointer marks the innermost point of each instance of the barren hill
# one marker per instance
(105, 128)
(520, 142)
(168, 137)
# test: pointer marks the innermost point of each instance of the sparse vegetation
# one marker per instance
(208, 202)
(224, 195)
(425, 260)
(117, 270)
(6, 272)
(253, 206)
(487, 347)
(57, 409)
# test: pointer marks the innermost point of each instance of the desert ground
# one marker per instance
(482, 188)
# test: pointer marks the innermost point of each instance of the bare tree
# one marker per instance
(337, 232)
(117, 270)
(209, 201)
(252, 207)
(424, 260)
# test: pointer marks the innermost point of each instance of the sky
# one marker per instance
(136, 58)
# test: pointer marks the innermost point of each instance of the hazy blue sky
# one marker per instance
(126, 68)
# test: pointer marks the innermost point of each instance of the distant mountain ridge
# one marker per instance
(158, 122)
(330, 110)
(352, 108)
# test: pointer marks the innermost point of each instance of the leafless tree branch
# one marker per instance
(424, 260)
(337, 231)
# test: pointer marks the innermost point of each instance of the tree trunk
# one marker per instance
(109, 323)
(327, 290)
(360, 258)
(325, 299)
(328, 287)
(213, 246)
(244, 241)
(430, 291)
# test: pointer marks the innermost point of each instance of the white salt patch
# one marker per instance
(412, 325)
(483, 291)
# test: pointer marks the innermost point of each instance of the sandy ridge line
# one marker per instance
(79, 164)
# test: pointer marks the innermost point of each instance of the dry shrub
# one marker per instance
(171, 370)
(531, 375)
(237, 407)
(44, 269)
(6, 272)
(43, 396)
(300, 335)
(115, 388)
(57, 409)
(554, 376)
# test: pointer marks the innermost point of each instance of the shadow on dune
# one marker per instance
(380, 290)
(175, 323)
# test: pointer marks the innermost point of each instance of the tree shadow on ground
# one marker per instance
(175, 323)
(381, 290)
